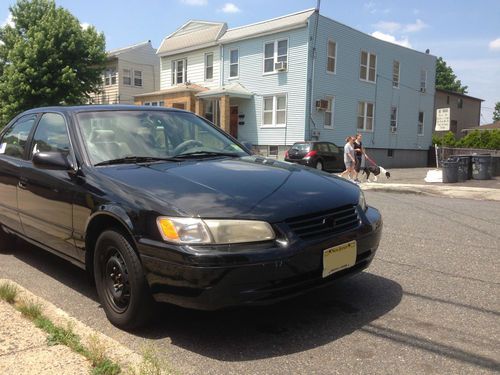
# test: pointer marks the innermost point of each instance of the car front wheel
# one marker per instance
(120, 281)
(319, 165)
(6, 240)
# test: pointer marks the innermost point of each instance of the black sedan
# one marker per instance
(325, 156)
(160, 205)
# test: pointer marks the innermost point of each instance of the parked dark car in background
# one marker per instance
(325, 156)
(159, 204)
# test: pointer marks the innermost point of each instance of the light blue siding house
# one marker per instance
(305, 77)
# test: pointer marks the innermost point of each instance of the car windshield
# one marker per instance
(304, 147)
(139, 135)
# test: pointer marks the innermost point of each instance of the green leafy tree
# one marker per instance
(487, 139)
(47, 58)
(496, 113)
(446, 79)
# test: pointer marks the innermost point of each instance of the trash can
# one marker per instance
(481, 167)
(464, 167)
(450, 170)
(495, 165)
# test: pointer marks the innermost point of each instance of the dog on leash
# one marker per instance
(375, 170)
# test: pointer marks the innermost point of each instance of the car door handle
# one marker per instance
(23, 183)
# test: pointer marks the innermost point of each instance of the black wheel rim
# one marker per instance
(115, 281)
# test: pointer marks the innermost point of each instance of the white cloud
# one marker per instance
(230, 8)
(414, 27)
(495, 45)
(85, 25)
(195, 2)
(8, 21)
(370, 7)
(392, 39)
(388, 26)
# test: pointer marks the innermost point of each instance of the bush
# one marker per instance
(483, 139)
(447, 140)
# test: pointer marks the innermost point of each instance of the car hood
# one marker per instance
(246, 188)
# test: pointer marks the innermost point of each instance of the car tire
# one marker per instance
(319, 165)
(7, 241)
(121, 285)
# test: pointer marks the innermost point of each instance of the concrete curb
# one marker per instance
(437, 190)
(126, 358)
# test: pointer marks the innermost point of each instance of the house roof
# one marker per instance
(192, 35)
(119, 51)
(235, 90)
(180, 88)
(449, 92)
(287, 22)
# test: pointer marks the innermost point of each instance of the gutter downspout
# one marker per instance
(311, 79)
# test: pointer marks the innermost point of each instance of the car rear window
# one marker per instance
(302, 146)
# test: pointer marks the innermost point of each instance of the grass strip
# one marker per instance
(8, 292)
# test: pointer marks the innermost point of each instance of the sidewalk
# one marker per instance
(412, 180)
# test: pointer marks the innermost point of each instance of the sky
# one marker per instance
(465, 33)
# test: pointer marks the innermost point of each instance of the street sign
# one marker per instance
(442, 119)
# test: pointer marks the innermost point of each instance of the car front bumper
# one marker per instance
(215, 278)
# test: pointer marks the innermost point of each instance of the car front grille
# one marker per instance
(324, 224)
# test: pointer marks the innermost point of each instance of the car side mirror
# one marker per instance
(248, 146)
(51, 160)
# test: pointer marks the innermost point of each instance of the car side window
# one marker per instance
(322, 147)
(333, 148)
(51, 135)
(14, 140)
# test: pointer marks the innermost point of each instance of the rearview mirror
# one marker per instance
(51, 160)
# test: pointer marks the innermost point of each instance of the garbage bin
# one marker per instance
(464, 167)
(481, 167)
(495, 165)
(450, 170)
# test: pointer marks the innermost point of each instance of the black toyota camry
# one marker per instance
(161, 205)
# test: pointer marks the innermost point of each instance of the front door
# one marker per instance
(46, 196)
(233, 121)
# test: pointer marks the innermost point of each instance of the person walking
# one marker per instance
(359, 153)
(349, 159)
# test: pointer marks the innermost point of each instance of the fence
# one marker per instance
(443, 153)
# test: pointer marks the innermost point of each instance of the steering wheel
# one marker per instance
(186, 145)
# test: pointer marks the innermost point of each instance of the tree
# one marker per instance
(446, 79)
(496, 113)
(47, 58)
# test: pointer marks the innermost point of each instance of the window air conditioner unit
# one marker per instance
(322, 105)
(422, 89)
(394, 129)
(280, 66)
(315, 133)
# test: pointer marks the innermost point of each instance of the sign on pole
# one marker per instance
(442, 119)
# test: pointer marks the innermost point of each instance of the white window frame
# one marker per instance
(329, 111)
(394, 121)
(129, 76)
(369, 57)
(137, 77)
(423, 83)
(275, 55)
(237, 64)
(174, 71)
(275, 97)
(420, 124)
(110, 74)
(395, 82)
(334, 57)
(365, 117)
(206, 66)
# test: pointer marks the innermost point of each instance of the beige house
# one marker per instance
(465, 110)
(129, 71)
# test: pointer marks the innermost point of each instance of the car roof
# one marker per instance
(102, 107)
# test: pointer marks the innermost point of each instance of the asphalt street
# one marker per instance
(429, 303)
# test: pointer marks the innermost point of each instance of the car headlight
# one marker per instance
(210, 231)
(362, 200)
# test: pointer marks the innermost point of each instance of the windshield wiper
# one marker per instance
(133, 159)
(195, 154)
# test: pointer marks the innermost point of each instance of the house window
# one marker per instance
(110, 77)
(395, 74)
(234, 56)
(329, 113)
(274, 52)
(127, 79)
(212, 111)
(423, 80)
(447, 99)
(420, 127)
(209, 66)
(155, 104)
(137, 78)
(365, 116)
(179, 68)
(460, 103)
(394, 119)
(390, 153)
(331, 56)
(274, 110)
(273, 151)
(368, 66)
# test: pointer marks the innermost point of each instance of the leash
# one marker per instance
(372, 161)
